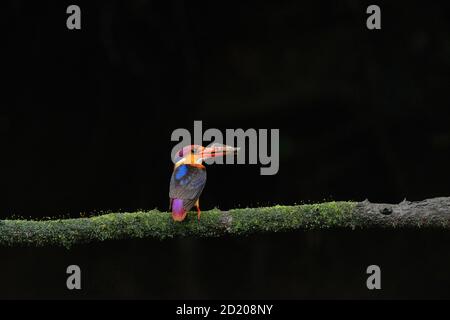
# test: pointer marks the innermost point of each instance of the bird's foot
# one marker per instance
(198, 213)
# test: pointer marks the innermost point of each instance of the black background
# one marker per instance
(86, 117)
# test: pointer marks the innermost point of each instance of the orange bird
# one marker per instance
(189, 177)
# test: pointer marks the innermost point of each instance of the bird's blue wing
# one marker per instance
(187, 183)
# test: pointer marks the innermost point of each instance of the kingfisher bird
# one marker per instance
(189, 177)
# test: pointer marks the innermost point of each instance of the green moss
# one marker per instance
(159, 225)
(280, 218)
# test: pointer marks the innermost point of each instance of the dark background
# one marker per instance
(86, 117)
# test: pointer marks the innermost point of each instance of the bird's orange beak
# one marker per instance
(218, 150)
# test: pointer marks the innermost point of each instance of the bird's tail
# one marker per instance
(178, 210)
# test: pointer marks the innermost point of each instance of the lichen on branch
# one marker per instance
(215, 223)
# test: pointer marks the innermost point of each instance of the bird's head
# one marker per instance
(196, 154)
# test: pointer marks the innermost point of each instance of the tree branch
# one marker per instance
(431, 213)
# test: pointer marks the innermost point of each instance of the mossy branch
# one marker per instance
(434, 213)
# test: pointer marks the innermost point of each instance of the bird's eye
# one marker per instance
(194, 151)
